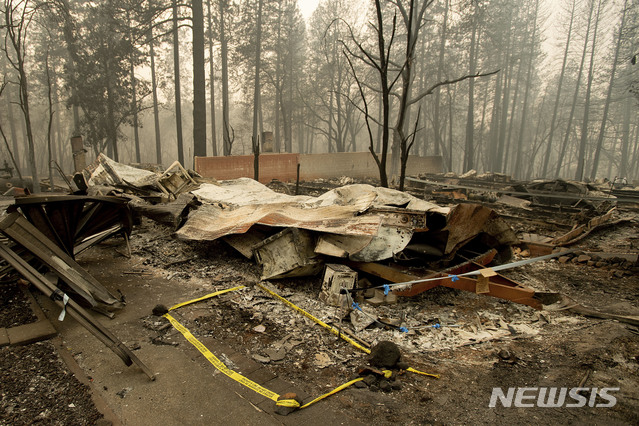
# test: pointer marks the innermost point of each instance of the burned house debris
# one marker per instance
(358, 260)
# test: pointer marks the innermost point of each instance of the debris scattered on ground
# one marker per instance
(364, 239)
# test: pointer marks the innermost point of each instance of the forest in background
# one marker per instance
(528, 88)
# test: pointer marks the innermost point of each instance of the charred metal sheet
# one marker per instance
(389, 241)
(394, 234)
(565, 193)
(539, 249)
(357, 221)
(172, 214)
(288, 254)
(74, 220)
(414, 220)
(104, 171)
(244, 243)
(467, 221)
(80, 282)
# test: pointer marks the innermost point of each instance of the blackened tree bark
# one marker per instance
(469, 151)
(226, 126)
(199, 81)
(440, 69)
(256, 83)
(519, 146)
(178, 93)
(212, 79)
(154, 91)
(134, 95)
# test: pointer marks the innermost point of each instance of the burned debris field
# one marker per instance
(374, 212)
(432, 305)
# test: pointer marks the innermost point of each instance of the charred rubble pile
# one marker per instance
(367, 248)
(357, 226)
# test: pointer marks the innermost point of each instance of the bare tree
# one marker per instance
(211, 78)
(18, 16)
(178, 94)
(3, 86)
(558, 97)
(199, 81)
(380, 62)
(604, 119)
(402, 72)
(581, 159)
(576, 94)
(256, 88)
(226, 126)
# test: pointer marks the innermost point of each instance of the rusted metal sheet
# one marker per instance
(210, 222)
(358, 221)
(272, 166)
(312, 166)
(234, 207)
(467, 221)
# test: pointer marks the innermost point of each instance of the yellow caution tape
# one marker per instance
(333, 330)
(237, 376)
(334, 391)
(208, 296)
(219, 364)
(412, 370)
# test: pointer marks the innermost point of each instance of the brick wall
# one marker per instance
(312, 166)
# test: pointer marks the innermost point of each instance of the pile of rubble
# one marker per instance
(499, 189)
(363, 245)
